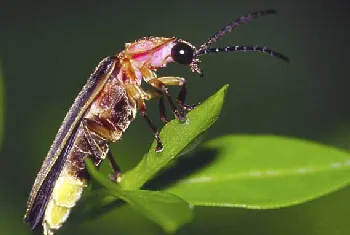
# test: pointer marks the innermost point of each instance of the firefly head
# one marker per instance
(185, 53)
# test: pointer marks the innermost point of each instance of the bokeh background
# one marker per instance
(48, 50)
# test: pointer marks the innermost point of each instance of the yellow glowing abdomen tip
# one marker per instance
(66, 193)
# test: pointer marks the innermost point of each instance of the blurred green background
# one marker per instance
(48, 50)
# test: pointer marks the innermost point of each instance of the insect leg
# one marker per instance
(116, 176)
(98, 152)
(181, 97)
(163, 117)
(143, 110)
(158, 94)
(176, 81)
(137, 94)
(159, 83)
(94, 147)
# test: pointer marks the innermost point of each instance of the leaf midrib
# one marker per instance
(270, 173)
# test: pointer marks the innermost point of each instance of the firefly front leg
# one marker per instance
(182, 97)
(176, 81)
(159, 83)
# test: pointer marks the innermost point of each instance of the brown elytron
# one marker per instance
(104, 109)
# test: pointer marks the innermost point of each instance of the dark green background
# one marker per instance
(49, 49)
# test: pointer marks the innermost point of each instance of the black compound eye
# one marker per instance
(182, 53)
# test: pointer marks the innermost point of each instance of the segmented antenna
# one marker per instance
(261, 49)
(232, 25)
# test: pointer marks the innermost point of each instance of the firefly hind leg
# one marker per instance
(116, 175)
(97, 151)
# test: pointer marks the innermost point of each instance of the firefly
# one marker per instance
(104, 109)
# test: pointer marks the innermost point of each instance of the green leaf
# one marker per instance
(165, 209)
(264, 172)
(168, 210)
(175, 136)
(2, 96)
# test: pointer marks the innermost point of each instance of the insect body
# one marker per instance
(104, 109)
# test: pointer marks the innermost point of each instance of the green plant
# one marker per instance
(257, 171)
(1, 105)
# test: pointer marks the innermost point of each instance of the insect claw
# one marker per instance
(159, 147)
(181, 116)
(189, 107)
(115, 177)
(164, 120)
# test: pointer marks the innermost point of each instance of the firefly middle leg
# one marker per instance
(155, 93)
(137, 94)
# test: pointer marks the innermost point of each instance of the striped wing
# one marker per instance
(55, 159)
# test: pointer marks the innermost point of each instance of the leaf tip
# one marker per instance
(223, 91)
(225, 87)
